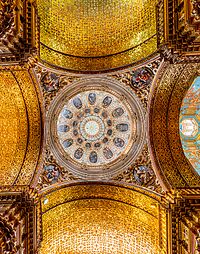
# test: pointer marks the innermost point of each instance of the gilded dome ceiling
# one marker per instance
(95, 129)
(102, 219)
(95, 35)
(99, 126)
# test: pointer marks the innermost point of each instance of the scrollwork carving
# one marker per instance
(139, 79)
(141, 173)
(51, 83)
(52, 172)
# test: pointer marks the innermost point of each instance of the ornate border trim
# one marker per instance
(168, 90)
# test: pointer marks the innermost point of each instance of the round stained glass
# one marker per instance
(96, 128)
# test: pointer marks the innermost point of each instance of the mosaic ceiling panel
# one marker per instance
(19, 128)
(95, 35)
(95, 128)
(12, 120)
(98, 226)
(190, 124)
(104, 219)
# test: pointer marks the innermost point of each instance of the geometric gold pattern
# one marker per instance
(102, 219)
(93, 35)
(172, 167)
(19, 127)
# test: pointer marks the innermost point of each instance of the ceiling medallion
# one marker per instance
(96, 127)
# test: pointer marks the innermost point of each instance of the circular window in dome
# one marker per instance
(96, 127)
(190, 125)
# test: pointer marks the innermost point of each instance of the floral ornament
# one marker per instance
(52, 172)
(142, 174)
(139, 79)
(51, 83)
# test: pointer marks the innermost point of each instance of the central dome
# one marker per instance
(96, 127)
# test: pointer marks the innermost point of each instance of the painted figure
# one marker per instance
(118, 112)
(93, 157)
(107, 101)
(77, 103)
(92, 98)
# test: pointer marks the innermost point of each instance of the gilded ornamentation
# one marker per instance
(181, 26)
(175, 58)
(139, 79)
(6, 15)
(18, 35)
(51, 83)
(7, 238)
(106, 36)
(118, 211)
(160, 23)
(17, 220)
(166, 99)
(185, 227)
